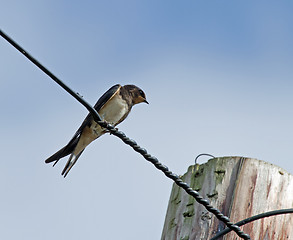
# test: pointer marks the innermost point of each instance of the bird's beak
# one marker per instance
(146, 101)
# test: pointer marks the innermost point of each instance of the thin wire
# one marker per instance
(254, 218)
(203, 154)
(134, 145)
(51, 75)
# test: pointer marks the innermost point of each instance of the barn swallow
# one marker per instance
(113, 107)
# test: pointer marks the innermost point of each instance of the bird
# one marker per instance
(113, 107)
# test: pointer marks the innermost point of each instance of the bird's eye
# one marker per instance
(141, 92)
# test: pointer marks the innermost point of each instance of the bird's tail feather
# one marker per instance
(68, 149)
(70, 163)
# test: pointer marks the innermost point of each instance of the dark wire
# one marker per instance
(254, 218)
(134, 145)
(203, 154)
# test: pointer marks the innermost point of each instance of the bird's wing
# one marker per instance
(99, 104)
(106, 97)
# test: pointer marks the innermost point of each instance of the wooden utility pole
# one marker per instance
(239, 188)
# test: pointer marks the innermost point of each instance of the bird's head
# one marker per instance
(138, 96)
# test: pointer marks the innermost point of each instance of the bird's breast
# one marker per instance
(113, 112)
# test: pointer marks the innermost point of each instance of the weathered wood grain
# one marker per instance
(240, 188)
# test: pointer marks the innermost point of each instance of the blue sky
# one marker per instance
(217, 74)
